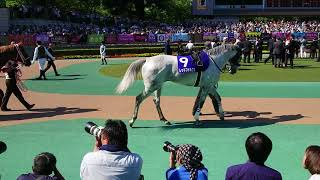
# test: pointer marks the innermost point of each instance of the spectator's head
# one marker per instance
(258, 147)
(190, 41)
(115, 133)
(50, 45)
(39, 43)
(44, 163)
(102, 42)
(311, 159)
(190, 157)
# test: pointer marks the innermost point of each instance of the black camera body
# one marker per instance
(168, 147)
(93, 129)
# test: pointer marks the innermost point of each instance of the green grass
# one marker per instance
(222, 145)
(304, 71)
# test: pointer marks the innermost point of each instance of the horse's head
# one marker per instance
(21, 55)
(227, 54)
(234, 59)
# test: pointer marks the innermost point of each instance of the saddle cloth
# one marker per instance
(187, 64)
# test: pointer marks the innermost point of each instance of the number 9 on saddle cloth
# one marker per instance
(195, 57)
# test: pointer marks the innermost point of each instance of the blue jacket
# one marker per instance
(181, 173)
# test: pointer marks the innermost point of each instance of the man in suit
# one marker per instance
(270, 48)
(313, 49)
(258, 50)
(167, 48)
(246, 50)
(289, 50)
(277, 52)
(318, 60)
(51, 61)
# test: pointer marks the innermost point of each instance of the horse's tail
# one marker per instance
(130, 75)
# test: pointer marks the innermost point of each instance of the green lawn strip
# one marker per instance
(222, 145)
(304, 71)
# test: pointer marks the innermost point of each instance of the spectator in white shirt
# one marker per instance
(111, 158)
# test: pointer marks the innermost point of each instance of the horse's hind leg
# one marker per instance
(156, 101)
(142, 96)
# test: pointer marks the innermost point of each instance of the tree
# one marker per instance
(14, 3)
(2, 3)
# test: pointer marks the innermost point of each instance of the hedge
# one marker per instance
(112, 51)
(117, 51)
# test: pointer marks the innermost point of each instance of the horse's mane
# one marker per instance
(6, 53)
(219, 49)
(4, 49)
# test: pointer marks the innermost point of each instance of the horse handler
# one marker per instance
(51, 61)
(41, 54)
(12, 71)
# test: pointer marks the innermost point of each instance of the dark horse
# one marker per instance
(14, 52)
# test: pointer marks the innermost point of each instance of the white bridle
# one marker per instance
(23, 58)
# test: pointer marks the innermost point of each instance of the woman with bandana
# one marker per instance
(188, 157)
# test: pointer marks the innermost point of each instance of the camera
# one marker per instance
(3, 147)
(168, 147)
(93, 129)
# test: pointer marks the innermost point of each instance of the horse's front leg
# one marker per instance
(216, 102)
(156, 101)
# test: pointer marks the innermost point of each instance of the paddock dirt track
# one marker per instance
(60, 106)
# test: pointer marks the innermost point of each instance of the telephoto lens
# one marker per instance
(3, 147)
(168, 147)
(93, 129)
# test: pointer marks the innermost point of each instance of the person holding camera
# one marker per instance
(189, 158)
(44, 164)
(111, 158)
(258, 147)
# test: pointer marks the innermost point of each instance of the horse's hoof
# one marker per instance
(197, 123)
(221, 118)
(165, 121)
(131, 122)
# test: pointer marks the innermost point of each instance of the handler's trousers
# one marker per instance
(13, 88)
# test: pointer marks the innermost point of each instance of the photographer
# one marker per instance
(189, 158)
(111, 158)
(44, 164)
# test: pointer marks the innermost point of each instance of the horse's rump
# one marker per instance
(130, 75)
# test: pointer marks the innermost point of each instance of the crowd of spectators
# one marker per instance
(112, 159)
(75, 21)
